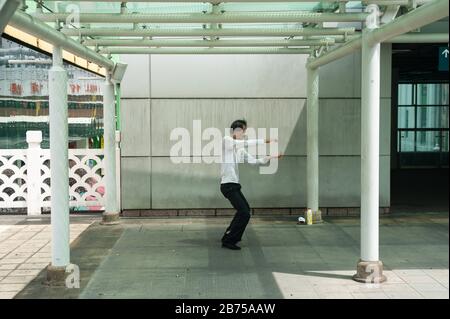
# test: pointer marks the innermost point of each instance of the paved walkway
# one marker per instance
(25, 249)
(182, 258)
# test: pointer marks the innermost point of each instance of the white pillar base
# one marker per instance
(56, 276)
(369, 272)
(316, 216)
(110, 219)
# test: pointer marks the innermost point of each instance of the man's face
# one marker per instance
(239, 133)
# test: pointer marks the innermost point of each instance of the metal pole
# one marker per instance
(271, 50)
(111, 214)
(194, 32)
(206, 43)
(381, 2)
(420, 38)
(59, 159)
(369, 268)
(214, 17)
(7, 9)
(426, 14)
(312, 147)
(41, 30)
(433, 11)
(210, 1)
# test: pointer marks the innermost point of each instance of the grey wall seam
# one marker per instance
(248, 98)
(214, 98)
(150, 131)
(135, 98)
(294, 156)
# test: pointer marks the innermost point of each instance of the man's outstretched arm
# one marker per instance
(248, 158)
(230, 142)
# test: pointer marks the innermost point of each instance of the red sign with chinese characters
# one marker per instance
(15, 89)
(91, 88)
(36, 87)
(74, 88)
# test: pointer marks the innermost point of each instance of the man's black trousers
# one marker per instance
(232, 191)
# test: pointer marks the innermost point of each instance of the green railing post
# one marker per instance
(118, 106)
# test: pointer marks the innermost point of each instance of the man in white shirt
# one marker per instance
(234, 152)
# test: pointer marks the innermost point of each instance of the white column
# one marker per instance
(59, 170)
(34, 139)
(312, 146)
(109, 127)
(118, 170)
(370, 141)
(369, 268)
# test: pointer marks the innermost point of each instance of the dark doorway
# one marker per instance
(420, 129)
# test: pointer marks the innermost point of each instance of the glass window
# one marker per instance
(432, 94)
(406, 117)
(444, 141)
(422, 124)
(430, 116)
(405, 141)
(428, 141)
(405, 94)
(444, 117)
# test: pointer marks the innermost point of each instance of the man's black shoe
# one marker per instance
(231, 246)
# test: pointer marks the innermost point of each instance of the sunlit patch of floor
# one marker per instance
(25, 250)
(4, 228)
(337, 284)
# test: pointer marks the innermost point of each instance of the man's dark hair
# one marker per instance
(239, 124)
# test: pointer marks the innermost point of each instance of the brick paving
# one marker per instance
(25, 251)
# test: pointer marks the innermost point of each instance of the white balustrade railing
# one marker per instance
(13, 176)
(25, 177)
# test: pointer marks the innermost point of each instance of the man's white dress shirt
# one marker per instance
(234, 152)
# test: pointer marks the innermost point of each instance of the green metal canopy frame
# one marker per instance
(95, 30)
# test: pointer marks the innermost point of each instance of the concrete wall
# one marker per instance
(162, 92)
